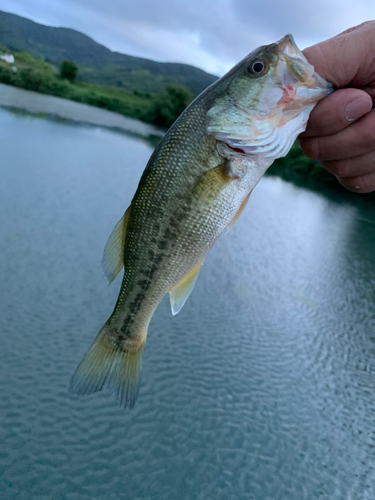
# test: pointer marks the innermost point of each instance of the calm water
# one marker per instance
(263, 387)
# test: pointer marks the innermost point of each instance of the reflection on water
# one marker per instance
(26, 102)
(150, 137)
(261, 388)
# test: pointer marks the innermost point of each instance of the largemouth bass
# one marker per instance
(195, 185)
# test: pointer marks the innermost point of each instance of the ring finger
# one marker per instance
(349, 167)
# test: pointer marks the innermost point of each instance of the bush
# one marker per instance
(168, 105)
(68, 70)
(297, 167)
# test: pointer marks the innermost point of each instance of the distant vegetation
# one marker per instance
(297, 168)
(35, 74)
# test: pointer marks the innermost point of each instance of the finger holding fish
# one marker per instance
(337, 112)
(358, 139)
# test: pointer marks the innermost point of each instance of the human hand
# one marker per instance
(341, 129)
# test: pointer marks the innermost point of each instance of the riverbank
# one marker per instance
(159, 109)
(40, 104)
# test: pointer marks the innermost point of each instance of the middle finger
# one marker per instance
(355, 140)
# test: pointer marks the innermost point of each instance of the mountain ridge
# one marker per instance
(97, 63)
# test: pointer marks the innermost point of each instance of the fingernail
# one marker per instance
(357, 108)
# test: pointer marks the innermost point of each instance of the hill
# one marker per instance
(97, 64)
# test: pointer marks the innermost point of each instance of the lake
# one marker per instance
(262, 387)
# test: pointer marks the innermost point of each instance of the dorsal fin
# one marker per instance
(180, 292)
(113, 256)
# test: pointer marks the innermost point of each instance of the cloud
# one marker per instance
(211, 34)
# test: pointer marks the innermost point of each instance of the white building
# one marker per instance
(9, 58)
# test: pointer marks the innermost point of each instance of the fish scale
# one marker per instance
(195, 185)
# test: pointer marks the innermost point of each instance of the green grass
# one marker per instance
(39, 76)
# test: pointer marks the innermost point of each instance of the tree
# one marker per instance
(169, 104)
(68, 70)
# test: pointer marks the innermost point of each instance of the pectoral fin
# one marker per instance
(211, 184)
(239, 212)
(113, 256)
(180, 292)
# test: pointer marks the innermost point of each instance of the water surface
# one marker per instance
(261, 388)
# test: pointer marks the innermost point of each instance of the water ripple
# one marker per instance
(261, 388)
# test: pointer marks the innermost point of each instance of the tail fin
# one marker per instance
(109, 366)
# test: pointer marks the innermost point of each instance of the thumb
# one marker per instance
(347, 59)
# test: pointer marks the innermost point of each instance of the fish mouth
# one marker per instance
(297, 74)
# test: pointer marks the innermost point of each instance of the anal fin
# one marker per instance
(180, 292)
(113, 256)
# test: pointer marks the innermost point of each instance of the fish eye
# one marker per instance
(257, 68)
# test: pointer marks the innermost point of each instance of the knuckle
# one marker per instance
(339, 168)
(311, 147)
(365, 132)
(364, 136)
(368, 137)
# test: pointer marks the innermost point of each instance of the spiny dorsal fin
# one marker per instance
(239, 212)
(180, 292)
(113, 256)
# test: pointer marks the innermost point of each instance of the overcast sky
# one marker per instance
(210, 34)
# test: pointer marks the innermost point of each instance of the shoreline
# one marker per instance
(35, 103)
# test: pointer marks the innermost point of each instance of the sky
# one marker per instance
(210, 34)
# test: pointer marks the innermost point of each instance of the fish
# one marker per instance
(195, 186)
